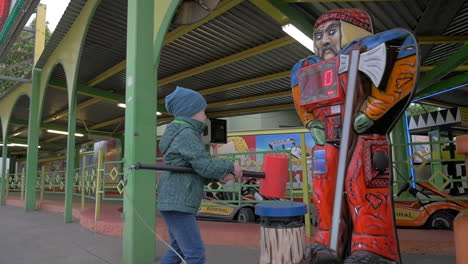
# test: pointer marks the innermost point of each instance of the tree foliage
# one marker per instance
(18, 62)
(418, 109)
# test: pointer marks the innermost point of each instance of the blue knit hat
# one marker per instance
(184, 102)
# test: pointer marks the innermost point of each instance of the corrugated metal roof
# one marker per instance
(271, 62)
(240, 28)
(403, 13)
(457, 27)
(106, 42)
(456, 97)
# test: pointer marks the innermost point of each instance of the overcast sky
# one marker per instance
(54, 12)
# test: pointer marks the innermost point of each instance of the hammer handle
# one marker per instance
(164, 167)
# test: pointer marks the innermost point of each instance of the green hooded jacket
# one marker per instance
(181, 145)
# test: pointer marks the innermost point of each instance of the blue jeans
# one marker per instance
(185, 238)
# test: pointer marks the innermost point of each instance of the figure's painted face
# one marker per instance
(327, 38)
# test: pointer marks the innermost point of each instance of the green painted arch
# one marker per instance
(13, 107)
(8, 103)
(164, 11)
(48, 74)
(68, 53)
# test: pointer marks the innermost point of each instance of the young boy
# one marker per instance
(180, 194)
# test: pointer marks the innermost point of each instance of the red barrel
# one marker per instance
(276, 168)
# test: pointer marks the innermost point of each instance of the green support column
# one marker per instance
(139, 244)
(33, 142)
(70, 171)
(4, 171)
(400, 153)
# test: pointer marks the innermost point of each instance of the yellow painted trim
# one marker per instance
(275, 44)
(248, 99)
(40, 32)
(272, 11)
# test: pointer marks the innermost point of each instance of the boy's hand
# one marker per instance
(238, 171)
(227, 178)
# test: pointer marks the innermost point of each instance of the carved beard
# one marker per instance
(326, 48)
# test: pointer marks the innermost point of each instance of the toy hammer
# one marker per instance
(273, 178)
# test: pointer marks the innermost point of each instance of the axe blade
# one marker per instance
(372, 63)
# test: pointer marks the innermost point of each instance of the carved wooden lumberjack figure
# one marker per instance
(361, 113)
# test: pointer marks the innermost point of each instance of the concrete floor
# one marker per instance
(42, 237)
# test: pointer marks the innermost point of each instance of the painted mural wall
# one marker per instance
(243, 146)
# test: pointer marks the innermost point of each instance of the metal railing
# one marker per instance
(438, 179)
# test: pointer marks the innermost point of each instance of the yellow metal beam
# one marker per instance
(59, 115)
(249, 99)
(272, 11)
(426, 40)
(54, 138)
(235, 85)
(39, 42)
(275, 44)
(182, 30)
(267, 132)
(103, 124)
(459, 68)
(107, 123)
(65, 112)
(436, 103)
(108, 73)
(254, 110)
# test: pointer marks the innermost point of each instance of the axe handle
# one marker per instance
(344, 145)
(164, 167)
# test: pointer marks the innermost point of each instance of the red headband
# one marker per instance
(356, 17)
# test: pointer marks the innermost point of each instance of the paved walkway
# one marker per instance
(42, 237)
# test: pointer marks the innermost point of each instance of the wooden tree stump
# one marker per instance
(282, 245)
